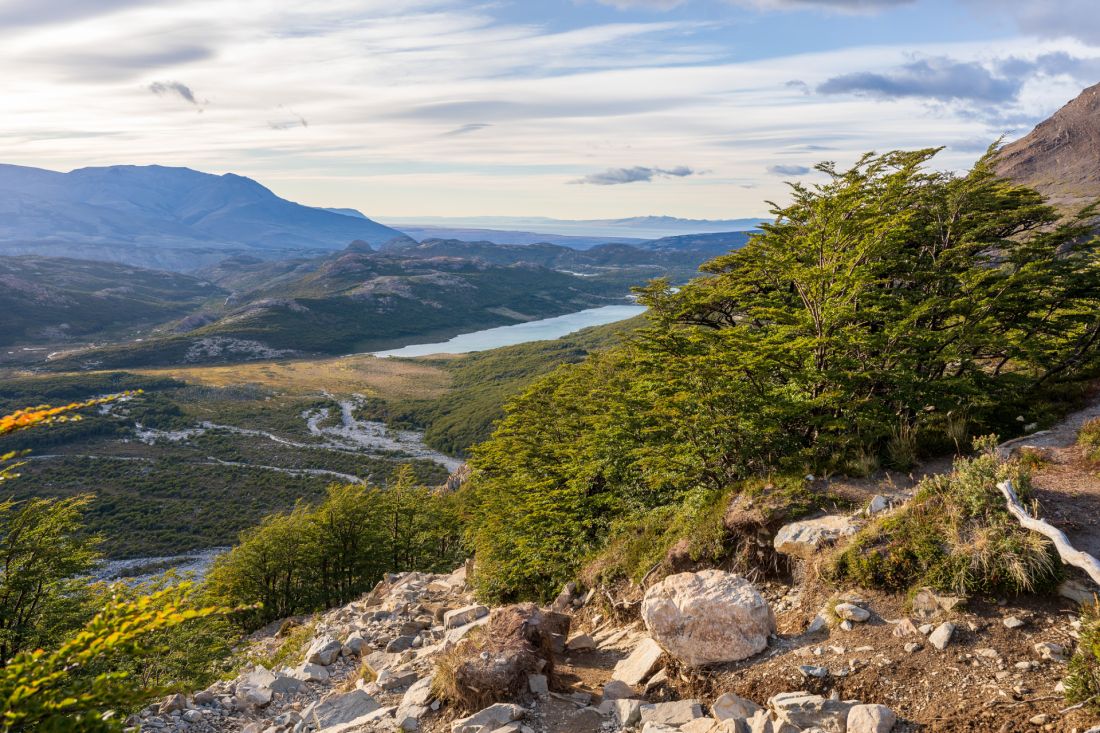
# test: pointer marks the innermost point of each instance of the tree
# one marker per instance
(877, 308)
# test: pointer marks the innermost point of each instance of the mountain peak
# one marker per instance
(1061, 156)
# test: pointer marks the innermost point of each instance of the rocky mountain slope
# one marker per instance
(168, 218)
(1061, 157)
(50, 299)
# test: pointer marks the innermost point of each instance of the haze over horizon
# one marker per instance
(574, 109)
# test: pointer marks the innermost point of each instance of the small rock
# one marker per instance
(538, 684)
(617, 690)
(852, 612)
(640, 664)
(912, 647)
(491, 718)
(809, 670)
(731, 706)
(871, 719)
(941, 637)
(1041, 719)
(1013, 623)
(580, 643)
(628, 712)
(1051, 651)
(672, 713)
(323, 651)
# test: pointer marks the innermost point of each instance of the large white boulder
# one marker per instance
(804, 539)
(708, 617)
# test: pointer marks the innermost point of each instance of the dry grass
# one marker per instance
(362, 374)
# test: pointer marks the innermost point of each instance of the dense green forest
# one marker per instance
(890, 313)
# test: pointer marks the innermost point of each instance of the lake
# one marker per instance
(545, 329)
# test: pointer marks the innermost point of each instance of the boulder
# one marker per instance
(357, 643)
(414, 704)
(804, 539)
(851, 612)
(640, 664)
(803, 710)
(618, 690)
(462, 616)
(580, 643)
(628, 712)
(538, 684)
(310, 672)
(172, 703)
(340, 707)
(941, 637)
(762, 723)
(324, 650)
(708, 617)
(672, 713)
(488, 719)
(730, 706)
(400, 644)
(493, 666)
(871, 719)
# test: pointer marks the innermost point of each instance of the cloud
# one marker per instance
(291, 120)
(1063, 19)
(45, 12)
(467, 129)
(940, 78)
(174, 88)
(837, 6)
(788, 170)
(637, 174)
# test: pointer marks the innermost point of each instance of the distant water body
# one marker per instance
(545, 329)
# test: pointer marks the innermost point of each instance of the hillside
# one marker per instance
(1061, 157)
(353, 301)
(167, 218)
(54, 300)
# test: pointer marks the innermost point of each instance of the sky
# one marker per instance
(562, 108)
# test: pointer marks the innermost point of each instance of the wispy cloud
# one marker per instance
(173, 89)
(637, 174)
(941, 78)
(842, 6)
(467, 129)
(788, 170)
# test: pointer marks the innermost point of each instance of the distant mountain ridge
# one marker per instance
(1061, 156)
(170, 218)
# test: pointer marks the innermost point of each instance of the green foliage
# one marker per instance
(42, 548)
(1089, 439)
(957, 535)
(483, 382)
(1083, 678)
(61, 690)
(875, 305)
(321, 556)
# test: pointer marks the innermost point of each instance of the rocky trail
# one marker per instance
(697, 652)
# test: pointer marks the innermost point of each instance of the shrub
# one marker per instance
(1089, 439)
(956, 534)
(1083, 679)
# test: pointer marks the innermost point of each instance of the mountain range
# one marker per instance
(167, 218)
(1061, 156)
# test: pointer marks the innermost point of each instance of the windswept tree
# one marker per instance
(882, 312)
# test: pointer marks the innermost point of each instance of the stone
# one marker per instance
(171, 703)
(489, 719)
(357, 643)
(340, 707)
(672, 713)
(310, 672)
(565, 599)
(871, 719)
(204, 698)
(804, 539)
(192, 716)
(912, 647)
(905, 627)
(284, 683)
(928, 603)
(1013, 623)
(538, 684)
(851, 612)
(463, 616)
(400, 644)
(658, 728)
(699, 725)
(640, 664)
(803, 710)
(731, 706)
(414, 703)
(580, 643)
(941, 637)
(763, 723)
(1050, 651)
(708, 617)
(617, 690)
(394, 678)
(1078, 591)
(877, 505)
(324, 651)
(628, 712)
(809, 670)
